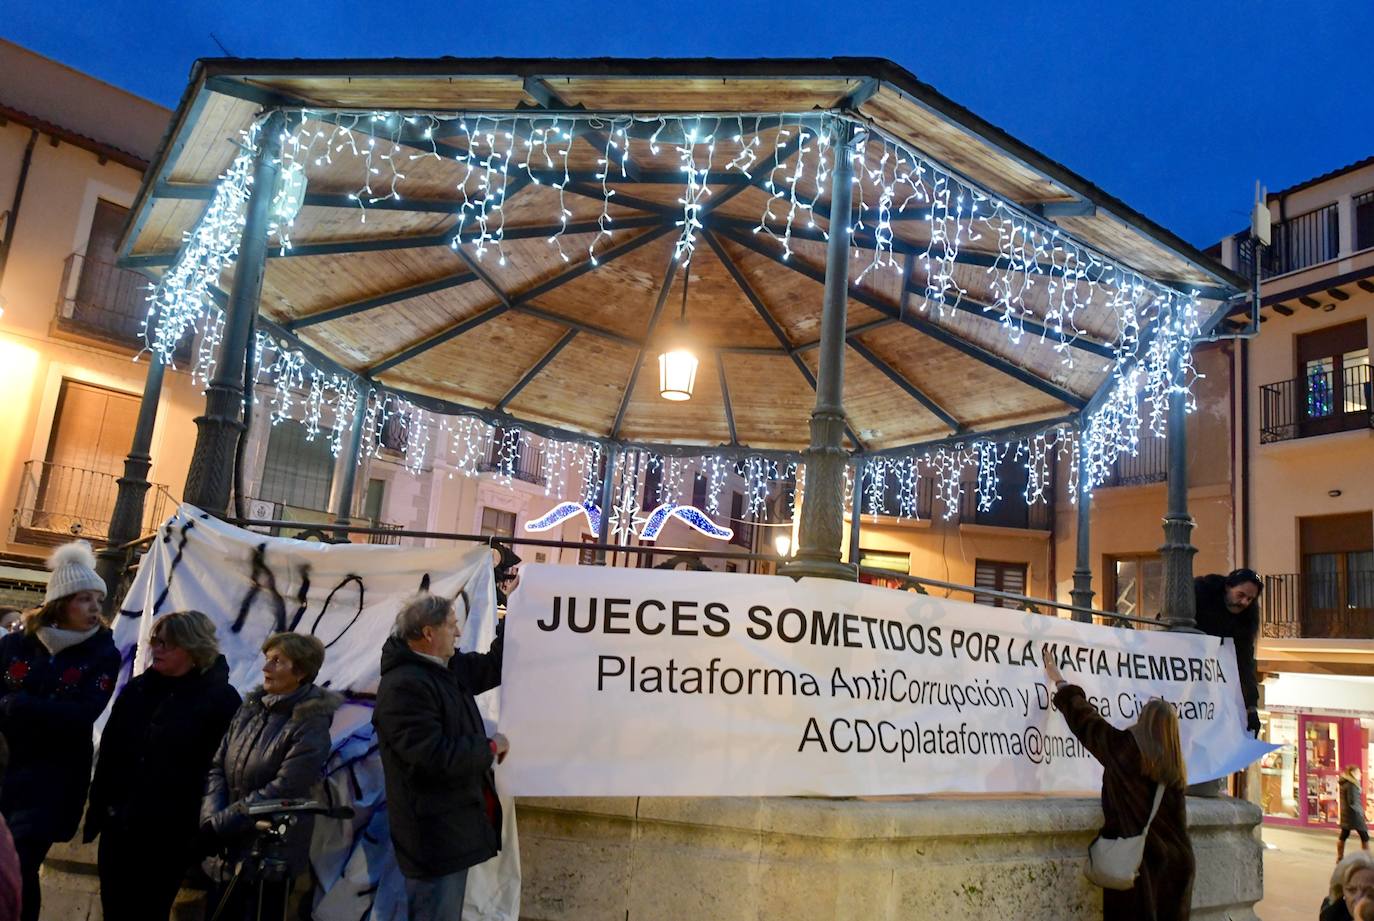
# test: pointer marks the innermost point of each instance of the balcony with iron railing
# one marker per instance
(103, 301)
(1305, 240)
(1010, 511)
(1150, 464)
(316, 524)
(526, 463)
(1299, 605)
(1320, 403)
(58, 502)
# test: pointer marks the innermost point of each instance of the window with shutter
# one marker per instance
(298, 472)
(998, 577)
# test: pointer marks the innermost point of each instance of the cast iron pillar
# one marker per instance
(1082, 594)
(343, 500)
(608, 500)
(126, 522)
(855, 516)
(217, 432)
(822, 511)
(1180, 604)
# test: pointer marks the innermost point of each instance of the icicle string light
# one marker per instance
(1077, 291)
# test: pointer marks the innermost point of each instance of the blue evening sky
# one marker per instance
(1175, 106)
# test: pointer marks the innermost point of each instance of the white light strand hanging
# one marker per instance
(1150, 330)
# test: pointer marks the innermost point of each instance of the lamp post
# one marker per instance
(822, 511)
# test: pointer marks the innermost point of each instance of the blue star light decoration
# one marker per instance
(624, 519)
(565, 510)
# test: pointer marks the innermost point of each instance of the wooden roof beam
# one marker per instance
(372, 303)
(533, 372)
(538, 89)
(387, 244)
(921, 324)
(521, 303)
(725, 398)
(663, 292)
(908, 387)
(762, 309)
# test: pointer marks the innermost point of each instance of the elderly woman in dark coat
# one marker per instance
(275, 748)
(1135, 761)
(155, 751)
(56, 676)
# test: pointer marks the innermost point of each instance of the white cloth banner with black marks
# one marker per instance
(647, 682)
(251, 586)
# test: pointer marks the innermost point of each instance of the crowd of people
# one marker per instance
(184, 761)
(186, 766)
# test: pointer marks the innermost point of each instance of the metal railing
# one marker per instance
(1301, 241)
(527, 465)
(1149, 465)
(105, 301)
(1317, 404)
(316, 524)
(1333, 605)
(58, 502)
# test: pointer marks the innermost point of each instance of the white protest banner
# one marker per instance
(252, 585)
(663, 683)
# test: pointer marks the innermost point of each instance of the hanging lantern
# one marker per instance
(677, 365)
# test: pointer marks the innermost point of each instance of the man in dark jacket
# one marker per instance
(440, 791)
(1228, 607)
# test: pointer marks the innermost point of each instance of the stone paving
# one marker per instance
(1297, 869)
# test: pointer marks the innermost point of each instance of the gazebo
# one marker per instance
(819, 262)
(528, 242)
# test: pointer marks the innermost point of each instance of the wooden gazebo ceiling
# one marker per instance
(557, 342)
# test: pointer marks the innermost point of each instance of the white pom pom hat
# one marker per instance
(73, 570)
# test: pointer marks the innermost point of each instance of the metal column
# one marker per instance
(126, 522)
(343, 500)
(1180, 604)
(212, 463)
(608, 498)
(855, 514)
(822, 512)
(1082, 593)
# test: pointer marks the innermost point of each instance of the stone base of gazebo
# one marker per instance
(664, 859)
(802, 859)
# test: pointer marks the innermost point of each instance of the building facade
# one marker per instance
(1306, 521)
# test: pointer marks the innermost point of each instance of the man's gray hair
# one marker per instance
(421, 611)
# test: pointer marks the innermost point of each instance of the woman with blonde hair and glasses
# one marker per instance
(154, 756)
(1141, 765)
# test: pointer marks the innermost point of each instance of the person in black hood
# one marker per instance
(440, 790)
(1228, 607)
(154, 754)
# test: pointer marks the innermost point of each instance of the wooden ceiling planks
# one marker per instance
(700, 94)
(307, 284)
(213, 141)
(580, 389)
(771, 401)
(395, 92)
(480, 366)
(879, 411)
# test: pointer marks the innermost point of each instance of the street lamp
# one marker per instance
(677, 365)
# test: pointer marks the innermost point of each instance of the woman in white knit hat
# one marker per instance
(56, 676)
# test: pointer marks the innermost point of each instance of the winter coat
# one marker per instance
(1163, 891)
(1352, 806)
(48, 705)
(1335, 911)
(271, 751)
(440, 791)
(11, 881)
(1242, 629)
(155, 752)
